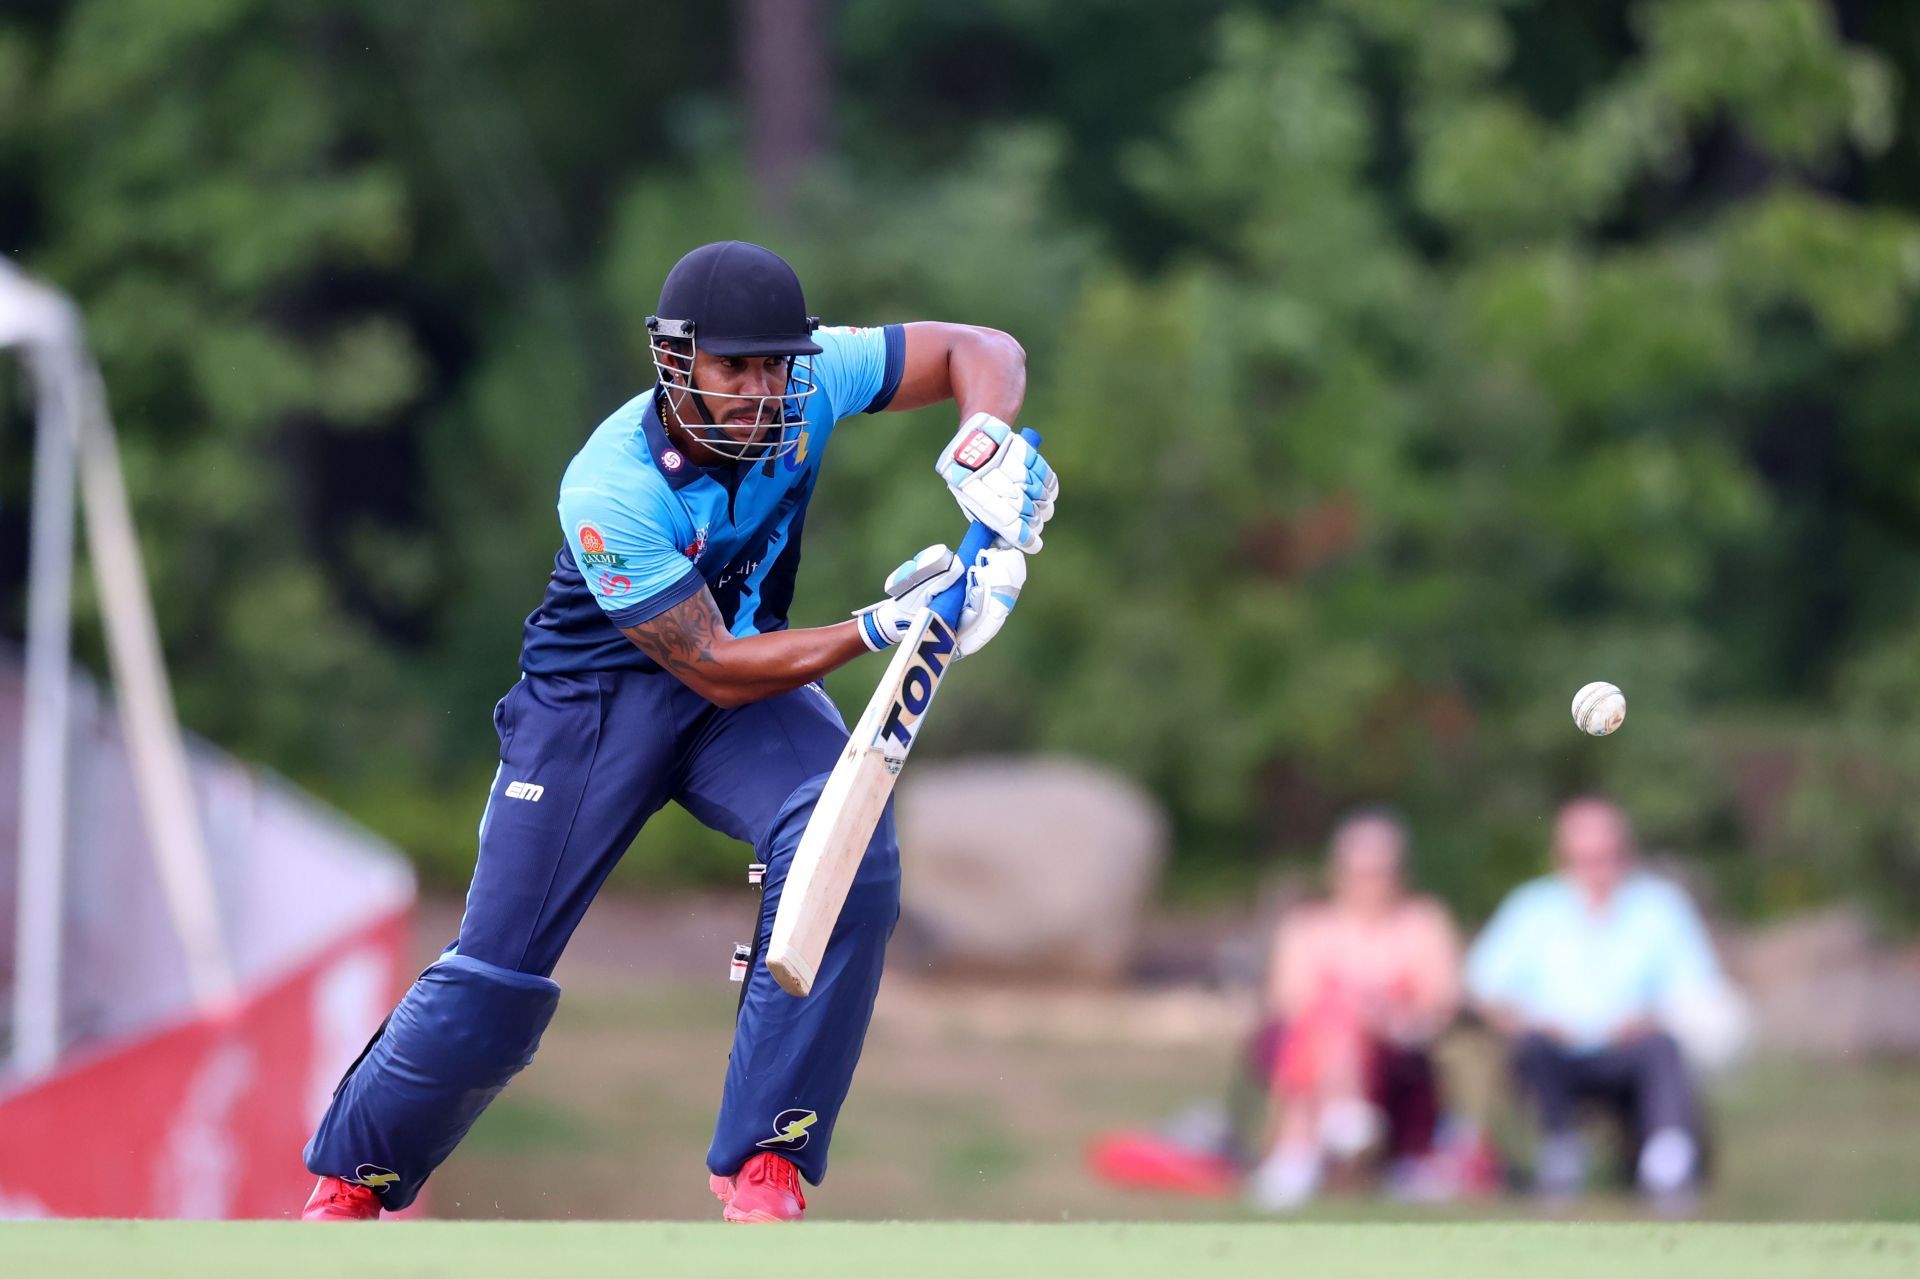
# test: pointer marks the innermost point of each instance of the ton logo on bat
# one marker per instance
(916, 691)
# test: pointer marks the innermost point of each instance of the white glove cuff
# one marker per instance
(872, 634)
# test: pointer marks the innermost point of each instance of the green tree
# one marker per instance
(1454, 404)
(1409, 363)
(221, 222)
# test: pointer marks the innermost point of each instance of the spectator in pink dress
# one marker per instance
(1362, 983)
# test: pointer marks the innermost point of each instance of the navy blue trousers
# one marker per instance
(1644, 1080)
(584, 761)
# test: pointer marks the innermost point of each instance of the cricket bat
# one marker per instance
(856, 792)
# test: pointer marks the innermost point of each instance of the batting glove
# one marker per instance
(993, 588)
(1000, 479)
(910, 588)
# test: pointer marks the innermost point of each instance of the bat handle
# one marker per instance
(979, 537)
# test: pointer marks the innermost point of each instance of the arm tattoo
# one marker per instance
(682, 639)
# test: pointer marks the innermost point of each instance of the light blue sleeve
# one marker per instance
(628, 547)
(1497, 963)
(1687, 961)
(858, 370)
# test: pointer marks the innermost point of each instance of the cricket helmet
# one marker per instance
(736, 299)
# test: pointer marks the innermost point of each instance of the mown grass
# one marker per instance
(486, 1250)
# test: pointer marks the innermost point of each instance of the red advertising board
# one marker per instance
(203, 1118)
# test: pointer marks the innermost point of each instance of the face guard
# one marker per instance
(675, 346)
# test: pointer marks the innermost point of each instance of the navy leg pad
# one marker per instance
(793, 1059)
(458, 1035)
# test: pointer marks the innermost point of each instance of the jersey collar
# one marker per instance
(674, 466)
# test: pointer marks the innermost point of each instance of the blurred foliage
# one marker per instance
(1408, 363)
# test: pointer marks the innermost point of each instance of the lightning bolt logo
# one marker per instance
(374, 1177)
(790, 1130)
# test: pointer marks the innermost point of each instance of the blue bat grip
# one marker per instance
(979, 537)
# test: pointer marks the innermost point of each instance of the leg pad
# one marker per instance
(461, 1032)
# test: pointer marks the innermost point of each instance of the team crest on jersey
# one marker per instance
(698, 545)
(594, 552)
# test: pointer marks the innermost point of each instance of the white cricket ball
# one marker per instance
(1599, 708)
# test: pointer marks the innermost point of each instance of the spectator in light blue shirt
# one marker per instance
(1575, 969)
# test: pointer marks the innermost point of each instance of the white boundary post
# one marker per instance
(145, 702)
(75, 432)
(36, 318)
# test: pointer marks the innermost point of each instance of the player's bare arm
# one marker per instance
(691, 641)
(996, 476)
(981, 370)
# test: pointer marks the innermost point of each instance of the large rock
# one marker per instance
(1821, 988)
(1035, 865)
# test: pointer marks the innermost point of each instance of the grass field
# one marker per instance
(977, 1105)
(950, 1120)
(482, 1250)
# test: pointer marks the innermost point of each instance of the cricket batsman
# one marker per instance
(660, 667)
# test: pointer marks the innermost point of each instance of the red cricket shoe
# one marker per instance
(337, 1200)
(766, 1189)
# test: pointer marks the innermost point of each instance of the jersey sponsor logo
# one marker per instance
(671, 459)
(975, 451)
(613, 584)
(738, 571)
(790, 1130)
(529, 791)
(922, 680)
(594, 552)
(373, 1177)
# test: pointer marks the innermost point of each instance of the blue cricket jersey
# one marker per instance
(646, 529)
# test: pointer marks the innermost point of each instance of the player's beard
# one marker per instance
(740, 434)
(750, 430)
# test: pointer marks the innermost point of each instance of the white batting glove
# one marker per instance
(910, 588)
(993, 588)
(999, 479)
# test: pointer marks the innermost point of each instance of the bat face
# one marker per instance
(933, 652)
(850, 805)
(856, 792)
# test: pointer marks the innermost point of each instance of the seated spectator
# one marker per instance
(1361, 985)
(1574, 969)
